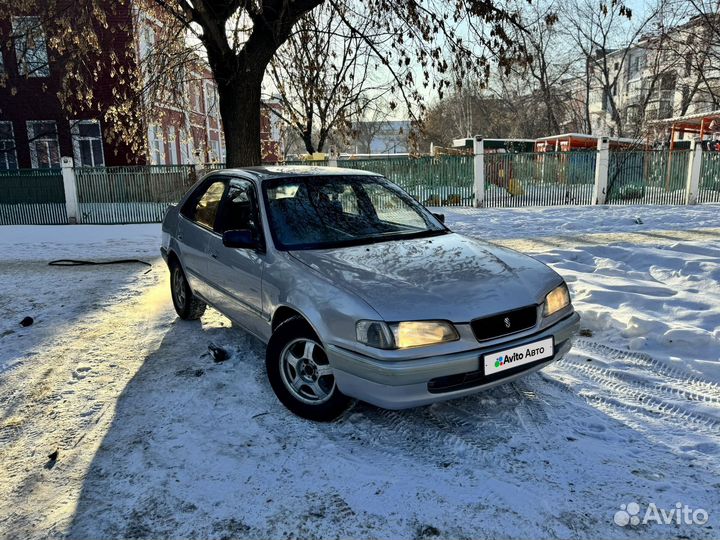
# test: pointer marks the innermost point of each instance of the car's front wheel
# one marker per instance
(300, 374)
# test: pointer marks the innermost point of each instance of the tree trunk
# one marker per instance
(307, 140)
(240, 113)
(588, 120)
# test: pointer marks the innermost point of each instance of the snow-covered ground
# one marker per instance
(157, 440)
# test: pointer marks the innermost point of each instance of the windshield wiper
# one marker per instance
(389, 237)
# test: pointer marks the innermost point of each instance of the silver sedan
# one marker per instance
(358, 290)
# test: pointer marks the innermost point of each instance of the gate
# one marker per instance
(647, 176)
(539, 178)
(709, 186)
(434, 181)
(130, 194)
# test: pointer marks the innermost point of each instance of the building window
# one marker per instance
(155, 145)
(87, 143)
(30, 47)
(211, 100)
(8, 154)
(196, 95)
(44, 146)
(147, 42)
(632, 67)
(186, 148)
(216, 153)
(173, 142)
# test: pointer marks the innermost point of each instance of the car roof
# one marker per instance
(264, 172)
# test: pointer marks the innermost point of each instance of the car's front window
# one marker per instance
(331, 211)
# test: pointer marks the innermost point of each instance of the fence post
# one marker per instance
(70, 186)
(478, 171)
(602, 163)
(694, 167)
(332, 159)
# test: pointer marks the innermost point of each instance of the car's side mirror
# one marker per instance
(242, 239)
(439, 217)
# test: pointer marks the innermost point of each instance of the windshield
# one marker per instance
(332, 211)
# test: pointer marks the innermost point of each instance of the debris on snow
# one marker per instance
(218, 353)
(52, 459)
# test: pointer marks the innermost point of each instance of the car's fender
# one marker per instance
(169, 243)
(331, 310)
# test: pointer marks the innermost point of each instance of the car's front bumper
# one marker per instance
(410, 383)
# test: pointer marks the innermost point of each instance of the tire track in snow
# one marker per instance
(694, 384)
(633, 399)
(446, 432)
(631, 416)
(421, 435)
(659, 390)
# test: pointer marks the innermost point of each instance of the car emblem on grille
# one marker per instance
(507, 322)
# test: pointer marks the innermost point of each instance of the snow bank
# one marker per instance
(47, 242)
(496, 223)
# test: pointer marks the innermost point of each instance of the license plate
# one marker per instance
(517, 356)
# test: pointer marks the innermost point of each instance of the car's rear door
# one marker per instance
(195, 229)
(236, 274)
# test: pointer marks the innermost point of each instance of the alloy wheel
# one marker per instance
(306, 372)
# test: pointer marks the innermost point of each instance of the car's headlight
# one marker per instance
(558, 298)
(403, 335)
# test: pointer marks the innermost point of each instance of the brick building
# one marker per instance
(35, 129)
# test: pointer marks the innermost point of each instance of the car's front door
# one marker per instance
(237, 273)
(196, 228)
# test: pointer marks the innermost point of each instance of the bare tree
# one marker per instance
(602, 36)
(694, 46)
(547, 60)
(370, 119)
(322, 74)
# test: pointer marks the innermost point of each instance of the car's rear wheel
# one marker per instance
(187, 305)
(300, 374)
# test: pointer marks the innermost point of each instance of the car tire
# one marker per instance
(188, 306)
(300, 374)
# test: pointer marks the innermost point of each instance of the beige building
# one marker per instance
(661, 76)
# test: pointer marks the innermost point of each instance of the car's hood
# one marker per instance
(448, 277)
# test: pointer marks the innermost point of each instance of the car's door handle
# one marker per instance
(179, 236)
(214, 255)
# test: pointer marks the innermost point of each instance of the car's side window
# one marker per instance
(239, 208)
(205, 209)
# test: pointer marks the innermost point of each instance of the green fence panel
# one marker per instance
(32, 197)
(539, 178)
(709, 187)
(434, 181)
(130, 194)
(647, 176)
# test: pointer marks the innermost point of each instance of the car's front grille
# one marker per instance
(503, 324)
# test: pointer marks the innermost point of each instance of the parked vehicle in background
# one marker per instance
(358, 290)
